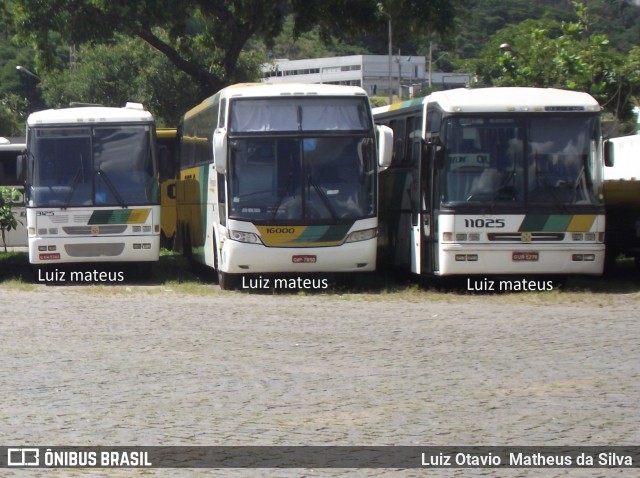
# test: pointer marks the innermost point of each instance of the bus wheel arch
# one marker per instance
(226, 281)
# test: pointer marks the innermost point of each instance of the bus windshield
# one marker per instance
(310, 178)
(543, 159)
(92, 166)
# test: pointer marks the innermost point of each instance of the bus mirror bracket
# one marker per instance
(607, 151)
(385, 146)
(220, 150)
(435, 147)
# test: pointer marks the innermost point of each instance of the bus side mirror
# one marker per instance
(607, 150)
(220, 150)
(21, 167)
(385, 146)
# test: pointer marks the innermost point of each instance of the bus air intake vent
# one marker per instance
(517, 236)
(88, 230)
(94, 250)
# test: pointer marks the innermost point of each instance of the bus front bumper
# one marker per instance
(587, 259)
(243, 258)
(94, 249)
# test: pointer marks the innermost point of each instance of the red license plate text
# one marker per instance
(304, 259)
(52, 256)
(525, 256)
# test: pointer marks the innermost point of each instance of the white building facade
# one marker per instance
(408, 73)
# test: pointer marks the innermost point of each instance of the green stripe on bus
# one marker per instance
(533, 222)
(323, 233)
(556, 222)
(119, 216)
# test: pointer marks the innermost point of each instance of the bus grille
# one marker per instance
(534, 236)
(94, 250)
(86, 230)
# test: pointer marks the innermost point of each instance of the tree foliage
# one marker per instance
(8, 220)
(125, 70)
(205, 38)
(170, 55)
(567, 55)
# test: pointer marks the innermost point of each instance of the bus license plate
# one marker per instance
(52, 256)
(525, 256)
(304, 259)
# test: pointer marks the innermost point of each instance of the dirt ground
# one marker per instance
(162, 364)
(115, 360)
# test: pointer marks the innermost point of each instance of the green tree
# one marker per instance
(205, 39)
(125, 70)
(12, 115)
(563, 55)
(8, 221)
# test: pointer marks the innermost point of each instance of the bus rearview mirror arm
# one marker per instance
(434, 146)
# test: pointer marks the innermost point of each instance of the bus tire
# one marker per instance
(227, 281)
(142, 271)
(187, 252)
(167, 242)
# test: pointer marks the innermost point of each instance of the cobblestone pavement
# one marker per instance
(148, 366)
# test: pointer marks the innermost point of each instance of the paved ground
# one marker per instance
(136, 365)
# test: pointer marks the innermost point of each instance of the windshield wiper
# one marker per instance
(323, 197)
(111, 187)
(74, 183)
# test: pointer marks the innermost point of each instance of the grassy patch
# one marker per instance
(174, 274)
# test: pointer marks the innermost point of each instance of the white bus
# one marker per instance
(504, 181)
(280, 179)
(622, 198)
(10, 150)
(91, 189)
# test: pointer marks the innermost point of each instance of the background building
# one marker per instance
(409, 74)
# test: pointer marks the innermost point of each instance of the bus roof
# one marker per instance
(290, 89)
(503, 100)
(89, 115)
(259, 90)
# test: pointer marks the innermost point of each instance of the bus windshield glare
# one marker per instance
(320, 167)
(92, 166)
(543, 159)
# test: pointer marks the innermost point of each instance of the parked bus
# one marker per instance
(10, 150)
(168, 146)
(622, 198)
(503, 181)
(281, 179)
(91, 188)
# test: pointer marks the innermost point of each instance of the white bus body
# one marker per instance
(622, 197)
(92, 186)
(502, 181)
(15, 239)
(280, 179)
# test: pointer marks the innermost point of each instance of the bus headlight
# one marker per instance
(248, 237)
(364, 235)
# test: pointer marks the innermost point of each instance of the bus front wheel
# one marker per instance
(228, 281)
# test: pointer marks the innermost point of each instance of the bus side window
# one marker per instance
(434, 120)
(414, 140)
